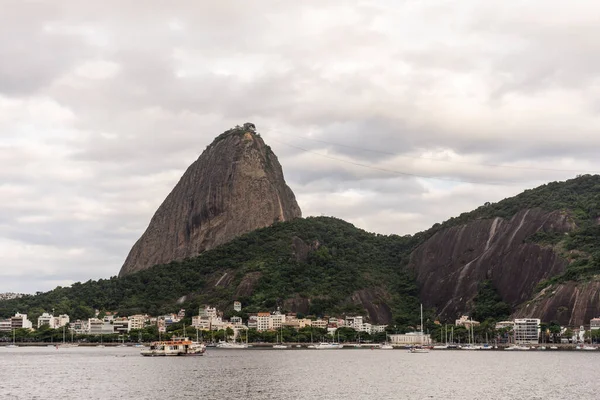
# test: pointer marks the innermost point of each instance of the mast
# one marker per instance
(421, 335)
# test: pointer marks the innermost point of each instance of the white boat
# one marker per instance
(419, 348)
(589, 348)
(13, 345)
(440, 347)
(386, 346)
(516, 347)
(328, 346)
(180, 346)
(553, 347)
(280, 346)
(229, 345)
(311, 346)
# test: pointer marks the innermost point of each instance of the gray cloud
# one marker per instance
(104, 105)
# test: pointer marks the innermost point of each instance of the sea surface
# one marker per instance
(121, 373)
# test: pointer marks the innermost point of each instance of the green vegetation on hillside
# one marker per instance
(488, 304)
(578, 197)
(343, 260)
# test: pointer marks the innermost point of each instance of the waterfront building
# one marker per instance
(277, 319)
(263, 321)
(505, 324)
(410, 339)
(527, 330)
(355, 323)
(253, 322)
(61, 320)
(99, 327)
(319, 323)
(377, 328)
(138, 321)
(594, 324)
(5, 325)
(237, 306)
(20, 321)
(79, 327)
(46, 319)
(466, 322)
(121, 325)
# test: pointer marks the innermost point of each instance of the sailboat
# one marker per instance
(386, 345)
(13, 345)
(101, 345)
(420, 348)
(278, 345)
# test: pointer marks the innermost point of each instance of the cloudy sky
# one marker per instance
(390, 114)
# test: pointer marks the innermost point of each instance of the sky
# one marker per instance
(392, 115)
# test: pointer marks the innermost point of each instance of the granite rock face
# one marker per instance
(450, 264)
(235, 186)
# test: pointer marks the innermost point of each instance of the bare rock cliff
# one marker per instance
(451, 263)
(235, 186)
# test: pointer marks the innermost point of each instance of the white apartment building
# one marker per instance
(61, 320)
(594, 324)
(378, 328)
(237, 306)
(319, 323)
(277, 320)
(263, 321)
(79, 326)
(355, 323)
(208, 312)
(20, 321)
(5, 325)
(138, 321)
(46, 319)
(411, 338)
(466, 322)
(527, 330)
(99, 327)
(253, 322)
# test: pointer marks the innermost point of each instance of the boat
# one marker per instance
(419, 348)
(328, 346)
(553, 347)
(13, 345)
(177, 346)
(516, 347)
(589, 348)
(280, 346)
(386, 346)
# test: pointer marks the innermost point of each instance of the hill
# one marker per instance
(535, 254)
(313, 266)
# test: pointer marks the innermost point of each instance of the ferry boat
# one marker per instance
(178, 346)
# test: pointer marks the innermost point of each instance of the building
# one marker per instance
(355, 323)
(79, 327)
(505, 324)
(61, 320)
(5, 325)
(263, 321)
(319, 323)
(377, 328)
(237, 306)
(207, 312)
(20, 321)
(277, 320)
(466, 322)
(527, 330)
(138, 321)
(410, 339)
(121, 325)
(253, 322)
(99, 327)
(236, 320)
(594, 324)
(46, 319)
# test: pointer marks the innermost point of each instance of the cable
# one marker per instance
(445, 161)
(395, 171)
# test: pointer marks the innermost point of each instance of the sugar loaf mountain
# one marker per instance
(231, 229)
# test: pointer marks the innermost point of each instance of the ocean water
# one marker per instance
(121, 373)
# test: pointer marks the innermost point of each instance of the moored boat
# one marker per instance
(328, 346)
(179, 346)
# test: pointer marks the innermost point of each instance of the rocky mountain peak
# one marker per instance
(234, 187)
